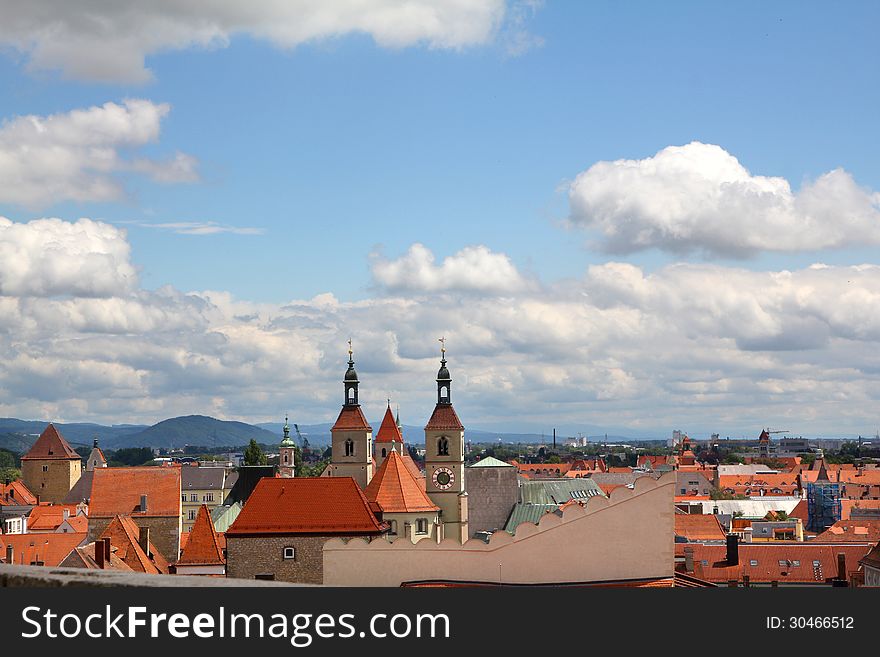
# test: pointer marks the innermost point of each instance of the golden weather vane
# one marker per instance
(349, 349)
(442, 342)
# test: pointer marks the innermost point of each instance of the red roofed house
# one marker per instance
(51, 467)
(38, 549)
(50, 518)
(150, 495)
(352, 436)
(281, 531)
(204, 552)
(128, 543)
(871, 566)
(15, 493)
(401, 501)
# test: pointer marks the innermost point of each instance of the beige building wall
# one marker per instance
(406, 523)
(628, 536)
(358, 466)
(50, 479)
(189, 507)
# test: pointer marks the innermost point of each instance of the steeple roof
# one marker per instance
(444, 417)
(203, 546)
(351, 418)
(389, 431)
(51, 445)
(396, 490)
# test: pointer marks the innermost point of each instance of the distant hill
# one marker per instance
(16, 442)
(198, 430)
(77, 434)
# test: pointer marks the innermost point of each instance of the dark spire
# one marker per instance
(444, 381)
(351, 380)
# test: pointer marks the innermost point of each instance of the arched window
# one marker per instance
(349, 447)
(422, 526)
(442, 446)
(351, 394)
(384, 453)
(444, 392)
(285, 459)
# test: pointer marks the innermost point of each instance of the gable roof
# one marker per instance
(854, 530)
(51, 549)
(16, 493)
(82, 489)
(124, 535)
(51, 445)
(491, 462)
(444, 417)
(306, 505)
(194, 477)
(351, 418)
(117, 491)
(203, 547)
(699, 527)
(395, 489)
(389, 431)
(49, 517)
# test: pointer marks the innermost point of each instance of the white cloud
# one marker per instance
(685, 346)
(78, 155)
(203, 228)
(474, 268)
(109, 41)
(699, 197)
(48, 257)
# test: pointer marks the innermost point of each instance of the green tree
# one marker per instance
(132, 456)
(254, 455)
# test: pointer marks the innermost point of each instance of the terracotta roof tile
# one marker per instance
(51, 549)
(351, 418)
(444, 417)
(49, 517)
(395, 490)
(856, 530)
(51, 445)
(389, 431)
(203, 546)
(306, 505)
(16, 493)
(124, 535)
(117, 491)
(698, 527)
(414, 469)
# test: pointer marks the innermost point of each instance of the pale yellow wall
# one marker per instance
(359, 466)
(626, 536)
(403, 531)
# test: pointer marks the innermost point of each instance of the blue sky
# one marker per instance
(331, 150)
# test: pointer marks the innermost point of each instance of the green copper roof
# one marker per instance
(490, 462)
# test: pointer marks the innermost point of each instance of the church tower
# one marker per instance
(287, 454)
(352, 449)
(444, 459)
(389, 439)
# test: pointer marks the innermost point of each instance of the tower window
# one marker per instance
(384, 453)
(349, 447)
(45, 468)
(285, 459)
(442, 446)
(422, 526)
(289, 553)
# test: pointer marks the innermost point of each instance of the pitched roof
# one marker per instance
(49, 517)
(51, 549)
(872, 558)
(306, 505)
(847, 506)
(82, 489)
(856, 530)
(699, 527)
(84, 557)
(124, 535)
(351, 418)
(194, 477)
(444, 417)
(203, 545)
(51, 445)
(16, 493)
(491, 462)
(395, 489)
(118, 491)
(389, 431)
(412, 467)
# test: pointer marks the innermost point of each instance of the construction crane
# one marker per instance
(302, 439)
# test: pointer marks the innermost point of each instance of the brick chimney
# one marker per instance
(689, 560)
(106, 542)
(143, 504)
(732, 550)
(144, 540)
(99, 553)
(841, 566)
(10, 553)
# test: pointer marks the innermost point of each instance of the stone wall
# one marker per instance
(54, 484)
(248, 556)
(492, 493)
(627, 536)
(164, 532)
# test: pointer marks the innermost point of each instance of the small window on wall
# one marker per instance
(45, 468)
(422, 526)
(192, 514)
(393, 531)
(290, 553)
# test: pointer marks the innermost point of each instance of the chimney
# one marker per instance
(143, 503)
(715, 510)
(689, 560)
(10, 553)
(732, 550)
(99, 553)
(841, 566)
(65, 514)
(144, 540)
(106, 542)
(746, 579)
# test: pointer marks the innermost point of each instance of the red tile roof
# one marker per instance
(412, 467)
(16, 493)
(124, 535)
(767, 557)
(51, 445)
(49, 517)
(846, 506)
(444, 417)
(698, 527)
(389, 431)
(351, 418)
(117, 491)
(395, 490)
(203, 547)
(856, 530)
(51, 549)
(306, 505)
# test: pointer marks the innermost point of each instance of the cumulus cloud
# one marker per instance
(687, 345)
(110, 41)
(474, 268)
(49, 257)
(77, 155)
(699, 197)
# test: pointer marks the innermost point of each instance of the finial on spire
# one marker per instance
(442, 342)
(350, 352)
(389, 402)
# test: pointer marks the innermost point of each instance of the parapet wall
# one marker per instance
(628, 536)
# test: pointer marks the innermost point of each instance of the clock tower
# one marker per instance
(444, 459)
(352, 449)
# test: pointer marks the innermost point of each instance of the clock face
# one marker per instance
(443, 478)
